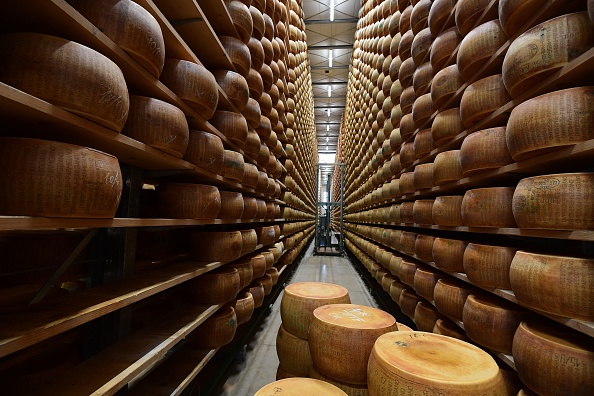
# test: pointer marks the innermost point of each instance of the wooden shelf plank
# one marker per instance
(218, 16)
(111, 369)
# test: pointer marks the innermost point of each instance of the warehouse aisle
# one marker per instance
(261, 362)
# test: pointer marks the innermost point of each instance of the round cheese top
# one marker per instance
(316, 290)
(354, 316)
(299, 387)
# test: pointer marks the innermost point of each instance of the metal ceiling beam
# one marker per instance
(329, 97)
(330, 47)
(329, 68)
(342, 20)
(329, 83)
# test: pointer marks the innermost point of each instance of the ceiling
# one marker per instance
(323, 36)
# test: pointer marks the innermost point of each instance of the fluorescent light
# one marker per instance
(327, 138)
(328, 112)
(329, 58)
(327, 129)
(331, 10)
(329, 90)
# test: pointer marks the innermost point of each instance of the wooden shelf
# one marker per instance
(216, 12)
(110, 370)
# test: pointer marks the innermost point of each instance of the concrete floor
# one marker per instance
(260, 365)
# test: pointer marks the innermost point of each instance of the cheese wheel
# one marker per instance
(407, 271)
(443, 47)
(425, 281)
(446, 125)
(349, 389)
(558, 285)
(568, 36)
(420, 46)
(194, 84)
(422, 78)
(244, 307)
(245, 270)
(266, 282)
(407, 242)
(261, 209)
(423, 143)
(216, 331)
(252, 113)
(447, 167)
(484, 150)
(482, 98)
(44, 178)
(439, 15)
(447, 211)
(233, 125)
(250, 175)
(406, 73)
(157, 124)
(255, 83)
(396, 289)
(407, 99)
(231, 205)
(300, 299)
(215, 246)
(450, 296)
(488, 207)
(488, 266)
(419, 15)
(478, 47)
(423, 177)
(233, 165)
(252, 144)
(206, 151)
(492, 322)
(239, 54)
(422, 110)
(241, 18)
(422, 212)
(514, 13)
(300, 387)
(83, 81)
(387, 280)
(341, 338)
(257, 291)
(552, 359)
(188, 201)
(407, 185)
(293, 353)
(551, 121)
(446, 83)
(215, 287)
(426, 316)
(448, 254)
(257, 22)
(448, 328)
(562, 201)
(468, 13)
(235, 86)
(418, 362)
(407, 154)
(394, 71)
(404, 47)
(131, 27)
(265, 235)
(406, 11)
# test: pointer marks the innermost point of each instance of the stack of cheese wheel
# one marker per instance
(417, 362)
(341, 338)
(297, 305)
(300, 387)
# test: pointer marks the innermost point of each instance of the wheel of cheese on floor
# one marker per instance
(551, 121)
(300, 387)
(51, 179)
(83, 81)
(557, 285)
(300, 299)
(563, 39)
(131, 27)
(478, 47)
(157, 124)
(561, 201)
(216, 331)
(418, 363)
(553, 359)
(188, 201)
(293, 353)
(488, 207)
(215, 246)
(341, 337)
(488, 266)
(484, 150)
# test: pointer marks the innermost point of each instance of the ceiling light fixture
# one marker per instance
(329, 58)
(328, 112)
(329, 90)
(327, 138)
(331, 10)
(327, 127)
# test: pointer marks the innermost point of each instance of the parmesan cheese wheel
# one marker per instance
(266, 282)
(233, 165)
(157, 124)
(484, 150)
(558, 285)
(444, 87)
(206, 151)
(421, 78)
(252, 113)
(448, 254)
(265, 235)
(255, 83)
(245, 270)
(423, 177)
(250, 175)
(349, 389)
(44, 178)
(421, 45)
(566, 38)
(257, 291)
(450, 296)
(233, 125)
(244, 307)
(83, 81)
(131, 27)
(551, 121)
(395, 71)
(468, 13)
(447, 168)
(341, 338)
(282, 374)
(422, 110)
(407, 271)
(238, 52)
(439, 15)
(188, 201)
(488, 266)
(551, 359)
(491, 321)
(447, 211)
(216, 331)
(241, 18)
(406, 10)
(482, 98)
(418, 362)
(261, 211)
(407, 185)
(215, 246)
(443, 47)
(300, 387)
(215, 287)
(446, 125)
(513, 14)
(235, 87)
(231, 205)
(252, 144)
(300, 299)
(293, 353)
(407, 154)
(562, 201)
(419, 15)
(407, 99)
(448, 328)
(426, 316)
(407, 242)
(478, 47)
(257, 22)
(425, 281)
(404, 47)
(488, 207)
(194, 84)
(422, 212)
(396, 289)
